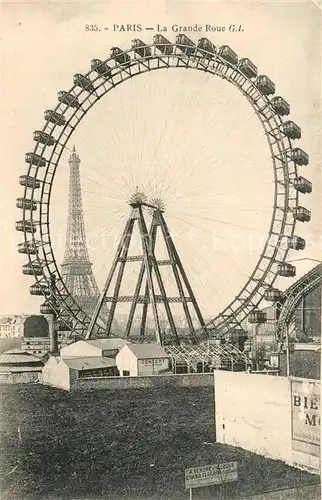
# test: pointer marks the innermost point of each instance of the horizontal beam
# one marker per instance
(131, 258)
(139, 258)
(145, 300)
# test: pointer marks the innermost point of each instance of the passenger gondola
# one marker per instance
(228, 54)
(29, 181)
(291, 130)
(206, 47)
(121, 58)
(296, 243)
(68, 99)
(26, 204)
(186, 45)
(26, 226)
(299, 156)
(34, 159)
(43, 138)
(265, 85)
(302, 185)
(280, 106)
(302, 214)
(247, 67)
(101, 68)
(141, 48)
(286, 270)
(162, 44)
(54, 117)
(84, 82)
(27, 248)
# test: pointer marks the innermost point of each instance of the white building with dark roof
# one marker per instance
(83, 359)
(142, 359)
(108, 347)
(62, 373)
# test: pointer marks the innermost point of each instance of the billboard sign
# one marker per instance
(306, 416)
(210, 474)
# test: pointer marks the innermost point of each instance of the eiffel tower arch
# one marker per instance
(76, 268)
(151, 291)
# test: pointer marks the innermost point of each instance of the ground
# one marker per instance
(130, 444)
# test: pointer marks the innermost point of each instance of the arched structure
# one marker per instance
(105, 76)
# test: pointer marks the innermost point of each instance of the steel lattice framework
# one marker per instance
(215, 356)
(76, 268)
(291, 299)
(106, 76)
(150, 289)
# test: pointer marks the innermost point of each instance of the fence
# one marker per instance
(114, 383)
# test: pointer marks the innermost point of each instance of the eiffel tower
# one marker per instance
(76, 268)
(151, 292)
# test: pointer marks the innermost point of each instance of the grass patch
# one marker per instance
(132, 444)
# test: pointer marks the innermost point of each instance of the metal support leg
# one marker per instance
(107, 283)
(119, 277)
(183, 274)
(145, 244)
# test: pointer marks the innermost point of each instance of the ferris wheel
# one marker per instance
(104, 77)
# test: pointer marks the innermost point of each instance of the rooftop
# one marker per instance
(90, 363)
(108, 343)
(20, 369)
(18, 356)
(146, 351)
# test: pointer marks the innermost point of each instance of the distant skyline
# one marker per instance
(280, 38)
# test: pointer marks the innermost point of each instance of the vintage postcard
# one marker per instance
(161, 243)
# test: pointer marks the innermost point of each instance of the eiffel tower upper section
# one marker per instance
(76, 267)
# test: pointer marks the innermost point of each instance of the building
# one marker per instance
(36, 335)
(84, 358)
(105, 348)
(142, 359)
(12, 326)
(19, 366)
(299, 307)
(308, 315)
(64, 372)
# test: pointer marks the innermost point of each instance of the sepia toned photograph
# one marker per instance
(161, 250)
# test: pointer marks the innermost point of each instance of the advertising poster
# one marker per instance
(306, 415)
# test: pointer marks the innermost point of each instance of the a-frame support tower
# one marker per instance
(150, 290)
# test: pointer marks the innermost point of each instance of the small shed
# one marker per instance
(63, 373)
(142, 359)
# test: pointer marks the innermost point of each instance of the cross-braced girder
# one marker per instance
(150, 290)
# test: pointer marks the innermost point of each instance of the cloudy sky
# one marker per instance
(188, 138)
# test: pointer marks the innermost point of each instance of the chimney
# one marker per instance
(53, 337)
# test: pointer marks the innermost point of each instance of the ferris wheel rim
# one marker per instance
(49, 260)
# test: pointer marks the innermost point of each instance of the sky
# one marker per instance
(188, 138)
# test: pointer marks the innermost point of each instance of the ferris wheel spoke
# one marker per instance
(217, 220)
(103, 175)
